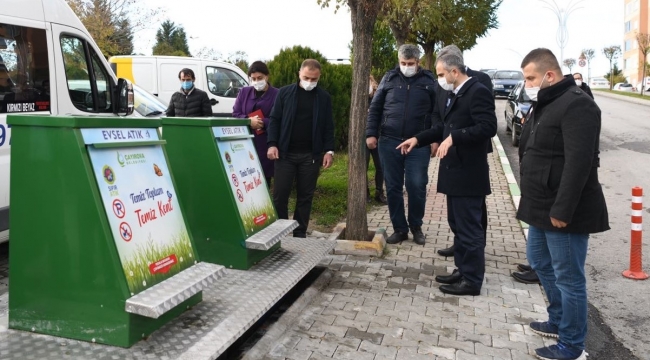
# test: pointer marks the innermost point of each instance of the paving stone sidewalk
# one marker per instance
(391, 308)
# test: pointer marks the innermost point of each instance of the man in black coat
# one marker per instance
(442, 95)
(464, 126)
(300, 140)
(561, 198)
(582, 85)
(189, 101)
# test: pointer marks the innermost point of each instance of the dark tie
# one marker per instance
(450, 96)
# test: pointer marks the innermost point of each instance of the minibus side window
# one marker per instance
(89, 85)
(24, 70)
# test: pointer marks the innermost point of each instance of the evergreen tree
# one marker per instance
(171, 40)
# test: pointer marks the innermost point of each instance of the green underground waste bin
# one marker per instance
(223, 189)
(99, 249)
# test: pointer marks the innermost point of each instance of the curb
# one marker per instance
(515, 193)
(359, 248)
(644, 102)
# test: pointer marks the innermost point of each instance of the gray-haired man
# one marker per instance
(401, 108)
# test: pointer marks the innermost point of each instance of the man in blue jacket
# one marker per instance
(401, 108)
(464, 125)
(300, 139)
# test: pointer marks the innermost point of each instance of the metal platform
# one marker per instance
(163, 297)
(271, 235)
(229, 308)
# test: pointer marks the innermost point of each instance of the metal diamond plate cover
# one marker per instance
(271, 235)
(230, 306)
(164, 296)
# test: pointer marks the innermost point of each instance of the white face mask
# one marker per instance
(408, 71)
(579, 82)
(259, 85)
(532, 91)
(308, 85)
(442, 81)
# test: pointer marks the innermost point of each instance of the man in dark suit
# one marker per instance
(464, 124)
(485, 80)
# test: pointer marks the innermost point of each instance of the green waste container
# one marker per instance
(99, 249)
(223, 189)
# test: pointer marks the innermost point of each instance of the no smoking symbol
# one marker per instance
(234, 180)
(125, 232)
(118, 208)
(240, 196)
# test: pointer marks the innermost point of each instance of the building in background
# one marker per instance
(635, 21)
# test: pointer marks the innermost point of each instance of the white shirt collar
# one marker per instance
(456, 90)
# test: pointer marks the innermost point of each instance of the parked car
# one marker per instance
(624, 87)
(516, 110)
(505, 80)
(490, 72)
(598, 83)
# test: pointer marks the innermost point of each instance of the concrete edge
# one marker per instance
(515, 193)
(290, 318)
(630, 99)
(356, 247)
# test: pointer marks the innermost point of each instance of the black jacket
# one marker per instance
(402, 106)
(559, 160)
(471, 121)
(584, 87)
(284, 112)
(482, 77)
(195, 104)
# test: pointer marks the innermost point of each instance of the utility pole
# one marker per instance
(562, 17)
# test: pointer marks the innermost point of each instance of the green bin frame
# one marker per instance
(66, 274)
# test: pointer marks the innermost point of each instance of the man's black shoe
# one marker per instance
(418, 236)
(461, 288)
(450, 279)
(524, 267)
(447, 252)
(526, 277)
(397, 237)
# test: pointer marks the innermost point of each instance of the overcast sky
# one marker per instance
(261, 28)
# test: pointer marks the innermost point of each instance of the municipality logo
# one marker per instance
(130, 159)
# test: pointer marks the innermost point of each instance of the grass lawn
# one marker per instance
(645, 96)
(330, 204)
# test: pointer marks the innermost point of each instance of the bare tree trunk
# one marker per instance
(428, 56)
(643, 84)
(364, 14)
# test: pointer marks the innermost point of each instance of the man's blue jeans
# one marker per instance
(559, 260)
(399, 168)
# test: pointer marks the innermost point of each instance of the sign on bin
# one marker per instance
(141, 205)
(247, 181)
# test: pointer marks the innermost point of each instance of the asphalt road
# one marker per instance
(619, 309)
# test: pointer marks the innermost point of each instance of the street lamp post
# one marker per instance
(562, 17)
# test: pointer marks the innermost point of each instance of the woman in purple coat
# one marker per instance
(255, 99)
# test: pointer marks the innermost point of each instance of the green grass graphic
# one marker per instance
(251, 212)
(137, 271)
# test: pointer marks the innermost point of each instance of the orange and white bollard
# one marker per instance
(636, 254)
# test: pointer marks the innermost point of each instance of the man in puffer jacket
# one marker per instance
(189, 101)
(400, 109)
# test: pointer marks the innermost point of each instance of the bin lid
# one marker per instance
(208, 122)
(81, 121)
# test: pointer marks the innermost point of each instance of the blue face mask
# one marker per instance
(186, 85)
